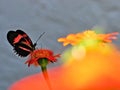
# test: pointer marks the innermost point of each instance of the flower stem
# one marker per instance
(43, 63)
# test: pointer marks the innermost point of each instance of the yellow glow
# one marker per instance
(78, 52)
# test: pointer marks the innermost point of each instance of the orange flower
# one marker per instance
(70, 39)
(108, 37)
(94, 72)
(41, 54)
(75, 39)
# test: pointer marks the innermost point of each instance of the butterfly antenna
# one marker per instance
(39, 38)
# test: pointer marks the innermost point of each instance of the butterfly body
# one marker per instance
(21, 42)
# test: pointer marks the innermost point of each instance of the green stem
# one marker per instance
(43, 63)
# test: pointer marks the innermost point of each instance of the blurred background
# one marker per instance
(56, 18)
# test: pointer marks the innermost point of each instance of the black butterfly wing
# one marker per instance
(21, 42)
(11, 35)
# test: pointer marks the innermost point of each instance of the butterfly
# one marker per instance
(21, 42)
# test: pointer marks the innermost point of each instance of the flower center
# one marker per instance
(41, 53)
